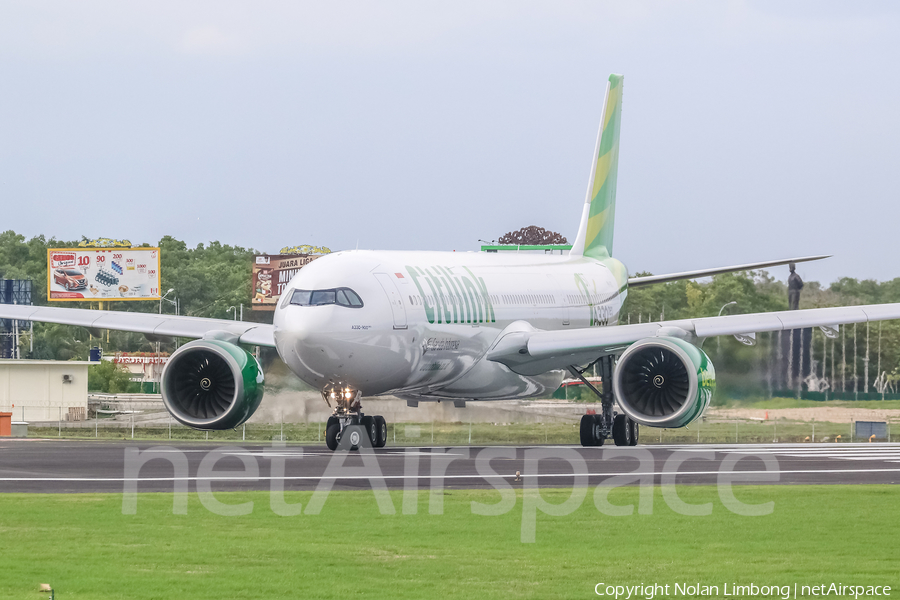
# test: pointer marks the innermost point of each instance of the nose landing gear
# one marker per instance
(348, 423)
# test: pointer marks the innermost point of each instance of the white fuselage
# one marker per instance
(429, 318)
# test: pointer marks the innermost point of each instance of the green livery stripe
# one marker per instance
(449, 297)
(599, 235)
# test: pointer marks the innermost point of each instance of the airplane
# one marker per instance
(463, 326)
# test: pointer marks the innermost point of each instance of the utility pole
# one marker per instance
(843, 361)
(866, 362)
(878, 374)
(855, 366)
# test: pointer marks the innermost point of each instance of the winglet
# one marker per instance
(595, 234)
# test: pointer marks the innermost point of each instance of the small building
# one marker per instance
(44, 390)
(145, 368)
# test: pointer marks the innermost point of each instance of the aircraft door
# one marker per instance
(396, 301)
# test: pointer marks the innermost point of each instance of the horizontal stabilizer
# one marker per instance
(638, 281)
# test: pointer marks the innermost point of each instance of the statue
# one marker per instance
(795, 284)
(532, 236)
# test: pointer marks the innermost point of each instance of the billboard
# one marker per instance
(271, 274)
(79, 274)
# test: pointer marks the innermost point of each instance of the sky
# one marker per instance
(750, 130)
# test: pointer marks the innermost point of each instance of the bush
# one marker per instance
(110, 378)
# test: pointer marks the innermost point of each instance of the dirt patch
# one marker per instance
(831, 414)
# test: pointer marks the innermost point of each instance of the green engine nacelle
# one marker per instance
(212, 384)
(664, 382)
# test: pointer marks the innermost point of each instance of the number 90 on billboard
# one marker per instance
(77, 274)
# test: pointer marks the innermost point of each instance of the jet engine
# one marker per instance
(664, 382)
(212, 384)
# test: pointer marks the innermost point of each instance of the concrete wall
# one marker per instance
(36, 387)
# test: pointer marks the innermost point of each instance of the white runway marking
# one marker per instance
(472, 476)
(863, 451)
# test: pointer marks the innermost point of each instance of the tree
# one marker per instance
(110, 378)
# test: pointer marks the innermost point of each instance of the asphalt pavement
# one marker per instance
(51, 466)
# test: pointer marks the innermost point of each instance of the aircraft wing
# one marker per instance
(151, 325)
(648, 279)
(532, 352)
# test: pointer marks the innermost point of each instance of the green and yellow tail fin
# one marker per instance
(595, 235)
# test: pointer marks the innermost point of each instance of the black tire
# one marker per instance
(331, 421)
(634, 427)
(369, 424)
(587, 431)
(381, 430)
(621, 432)
(332, 436)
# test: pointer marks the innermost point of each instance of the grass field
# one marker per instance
(86, 548)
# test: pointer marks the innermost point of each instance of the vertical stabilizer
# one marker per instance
(595, 234)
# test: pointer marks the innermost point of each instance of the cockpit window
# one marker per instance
(340, 296)
(320, 297)
(355, 301)
(301, 297)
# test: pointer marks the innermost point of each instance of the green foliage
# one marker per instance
(108, 377)
(207, 279)
(754, 291)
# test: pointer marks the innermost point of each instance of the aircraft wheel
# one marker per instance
(371, 429)
(621, 431)
(587, 430)
(634, 432)
(598, 428)
(590, 431)
(332, 436)
(381, 430)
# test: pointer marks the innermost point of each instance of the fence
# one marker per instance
(830, 395)
(157, 426)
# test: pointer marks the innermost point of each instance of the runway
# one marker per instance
(49, 466)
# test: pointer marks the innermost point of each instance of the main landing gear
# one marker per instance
(595, 429)
(348, 422)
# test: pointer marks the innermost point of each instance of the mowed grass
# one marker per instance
(86, 548)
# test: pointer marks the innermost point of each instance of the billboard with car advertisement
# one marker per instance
(271, 274)
(79, 274)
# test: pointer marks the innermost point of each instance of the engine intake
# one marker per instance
(211, 384)
(664, 382)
